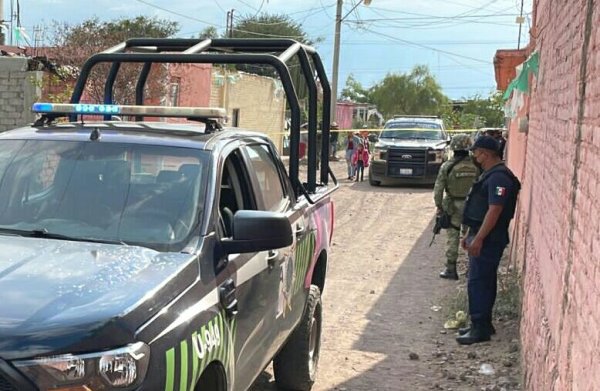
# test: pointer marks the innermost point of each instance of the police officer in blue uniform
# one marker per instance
(488, 211)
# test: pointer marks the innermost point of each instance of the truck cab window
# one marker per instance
(266, 173)
(234, 192)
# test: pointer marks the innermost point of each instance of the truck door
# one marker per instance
(272, 194)
(247, 280)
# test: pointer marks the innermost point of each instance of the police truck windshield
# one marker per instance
(99, 191)
(412, 131)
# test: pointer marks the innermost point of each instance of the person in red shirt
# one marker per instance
(360, 160)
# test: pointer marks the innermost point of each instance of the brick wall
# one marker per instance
(557, 232)
(19, 89)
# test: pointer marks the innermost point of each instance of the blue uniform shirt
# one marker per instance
(497, 186)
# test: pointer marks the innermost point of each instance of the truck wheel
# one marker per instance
(373, 182)
(295, 366)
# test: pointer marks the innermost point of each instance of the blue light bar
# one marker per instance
(76, 109)
(144, 111)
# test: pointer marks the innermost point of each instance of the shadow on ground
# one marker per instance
(401, 321)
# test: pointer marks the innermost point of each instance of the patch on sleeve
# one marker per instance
(500, 191)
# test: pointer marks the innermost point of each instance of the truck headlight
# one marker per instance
(123, 368)
(379, 154)
(436, 156)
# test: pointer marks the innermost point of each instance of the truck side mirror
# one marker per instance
(255, 231)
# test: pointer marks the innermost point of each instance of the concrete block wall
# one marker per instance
(260, 105)
(19, 89)
(558, 222)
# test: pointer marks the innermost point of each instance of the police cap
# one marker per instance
(486, 142)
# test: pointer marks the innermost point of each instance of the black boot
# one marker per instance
(450, 273)
(464, 330)
(478, 333)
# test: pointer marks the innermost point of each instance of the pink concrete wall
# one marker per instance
(558, 227)
(344, 115)
(195, 83)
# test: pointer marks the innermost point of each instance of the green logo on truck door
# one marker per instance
(185, 363)
(304, 254)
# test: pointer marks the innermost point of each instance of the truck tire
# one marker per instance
(373, 182)
(295, 366)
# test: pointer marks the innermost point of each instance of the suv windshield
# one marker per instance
(413, 131)
(108, 192)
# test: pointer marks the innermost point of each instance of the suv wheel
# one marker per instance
(295, 366)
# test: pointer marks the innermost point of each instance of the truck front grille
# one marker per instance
(407, 155)
(403, 162)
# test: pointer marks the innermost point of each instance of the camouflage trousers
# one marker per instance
(453, 240)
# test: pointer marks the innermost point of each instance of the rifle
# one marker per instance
(437, 228)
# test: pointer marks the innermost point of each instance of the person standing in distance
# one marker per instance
(452, 185)
(333, 140)
(489, 208)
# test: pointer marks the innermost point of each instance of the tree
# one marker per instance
(490, 110)
(209, 32)
(75, 43)
(355, 92)
(275, 26)
(271, 26)
(476, 112)
(413, 93)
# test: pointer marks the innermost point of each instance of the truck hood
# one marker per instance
(56, 293)
(433, 144)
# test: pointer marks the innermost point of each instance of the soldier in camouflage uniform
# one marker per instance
(455, 179)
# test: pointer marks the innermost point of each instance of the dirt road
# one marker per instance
(381, 285)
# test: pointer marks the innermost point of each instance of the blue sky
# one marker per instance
(457, 39)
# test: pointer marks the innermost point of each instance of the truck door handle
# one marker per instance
(228, 298)
(271, 257)
(300, 230)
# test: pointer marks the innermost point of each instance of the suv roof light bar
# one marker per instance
(144, 111)
(416, 116)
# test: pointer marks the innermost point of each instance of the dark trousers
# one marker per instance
(482, 282)
(360, 170)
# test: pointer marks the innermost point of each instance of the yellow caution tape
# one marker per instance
(379, 130)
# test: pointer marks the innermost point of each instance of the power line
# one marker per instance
(434, 43)
(446, 21)
(430, 17)
(427, 47)
(176, 13)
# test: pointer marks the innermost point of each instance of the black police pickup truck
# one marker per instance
(154, 256)
(409, 150)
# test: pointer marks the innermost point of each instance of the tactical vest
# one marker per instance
(476, 206)
(461, 177)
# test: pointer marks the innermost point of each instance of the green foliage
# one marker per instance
(275, 26)
(416, 92)
(209, 32)
(354, 91)
(271, 26)
(489, 109)
(476, 112)
(75, 43)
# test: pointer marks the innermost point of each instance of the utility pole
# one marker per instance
(229, 28)
(336, 59)
(336, 52)
(521, 21)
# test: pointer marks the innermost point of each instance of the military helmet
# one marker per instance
(461, 142)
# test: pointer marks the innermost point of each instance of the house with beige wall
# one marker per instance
(252, 102)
